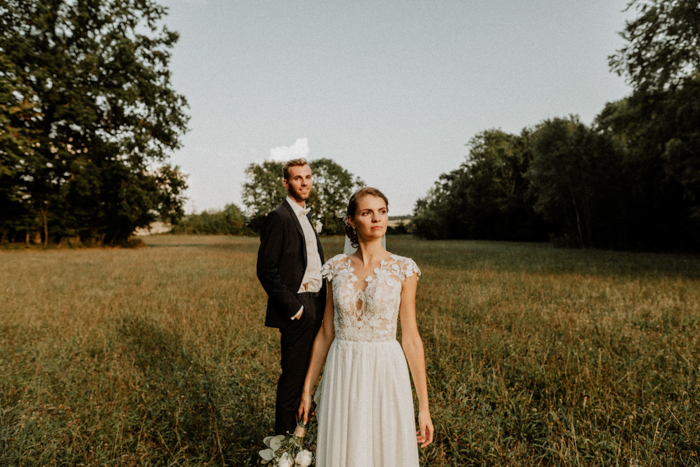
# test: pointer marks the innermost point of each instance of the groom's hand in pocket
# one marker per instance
(298, 315)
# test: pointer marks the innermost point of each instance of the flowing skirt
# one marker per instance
(365, 407)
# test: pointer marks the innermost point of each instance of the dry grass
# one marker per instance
(536, 356)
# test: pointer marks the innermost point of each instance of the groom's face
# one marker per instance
(299, 183)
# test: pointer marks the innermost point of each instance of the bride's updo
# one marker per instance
(352, 209)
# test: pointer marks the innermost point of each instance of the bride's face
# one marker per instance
(371, 218)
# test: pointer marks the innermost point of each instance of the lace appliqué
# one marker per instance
(368, 315)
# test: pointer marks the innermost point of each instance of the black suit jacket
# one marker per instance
(281, 264)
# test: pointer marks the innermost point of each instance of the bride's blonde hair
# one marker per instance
(352, 209)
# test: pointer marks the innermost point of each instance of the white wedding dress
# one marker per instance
(365, 405)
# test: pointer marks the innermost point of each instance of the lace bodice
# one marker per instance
(368, 315)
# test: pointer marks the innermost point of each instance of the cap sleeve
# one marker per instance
(328, 270)
(409, 268)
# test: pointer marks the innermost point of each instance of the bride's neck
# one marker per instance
(371, 252)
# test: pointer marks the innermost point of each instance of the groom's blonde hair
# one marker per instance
(293, 163)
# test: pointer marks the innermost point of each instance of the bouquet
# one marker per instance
(287, 450)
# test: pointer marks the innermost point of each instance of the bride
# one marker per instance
(365, 406)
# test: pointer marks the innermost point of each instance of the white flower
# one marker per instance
(303, 459)
(318, 226)
(285, 461)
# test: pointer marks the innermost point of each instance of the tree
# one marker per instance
(332, 188)
(660, 136)
(431, 214)
(486, 196)
(574, 180)
(263, 191)
(663, 49)
(660, 122)
(15, 141)
(89, 118)
(230, 221)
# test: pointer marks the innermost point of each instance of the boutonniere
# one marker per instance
(318, 226)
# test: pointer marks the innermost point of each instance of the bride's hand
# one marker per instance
(305, 409)
(425, 434)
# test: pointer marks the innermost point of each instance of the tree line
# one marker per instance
(88, 118)
(263, 191)
(629, 180)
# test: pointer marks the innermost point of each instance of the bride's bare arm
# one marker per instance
(322, 343)
(415, 355)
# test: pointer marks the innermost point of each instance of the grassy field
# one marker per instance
(536, 356)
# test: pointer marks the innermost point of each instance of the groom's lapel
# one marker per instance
(318, 238)
(299, 229)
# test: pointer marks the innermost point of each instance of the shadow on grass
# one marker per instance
(188, 407)
(176, 398)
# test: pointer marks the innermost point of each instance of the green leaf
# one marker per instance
(267, 454)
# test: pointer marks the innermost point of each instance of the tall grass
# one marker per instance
(536, 356)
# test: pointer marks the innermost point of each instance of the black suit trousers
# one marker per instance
(297, 339)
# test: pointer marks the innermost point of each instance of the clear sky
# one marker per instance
(390, 90)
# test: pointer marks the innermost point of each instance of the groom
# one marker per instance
(289, 268)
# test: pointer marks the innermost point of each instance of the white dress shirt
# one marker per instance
(312, 280)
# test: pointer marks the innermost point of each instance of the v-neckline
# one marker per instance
(370, 277)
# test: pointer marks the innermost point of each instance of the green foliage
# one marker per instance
(629, 181)
(263, 191)
(659, 124)
(15, 140)
(660, 134)
(399, 229)
(332, 187)
(574, 178)
(663, 45)
(88, 117)
(485, 197)
(230, 221)
(431, 213)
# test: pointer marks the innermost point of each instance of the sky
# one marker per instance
(392, 91)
